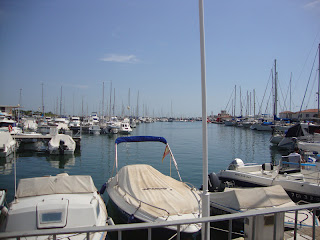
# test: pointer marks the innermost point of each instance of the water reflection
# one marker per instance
(6, 164)
(61, 161)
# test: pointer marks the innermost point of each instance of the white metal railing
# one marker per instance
(149, 226)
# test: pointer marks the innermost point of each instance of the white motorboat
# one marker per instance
(264, 126)
(113, 126)
(9, 125)
(60, 201)
(94, 129)
(125, 128)
(234, 200)
(7, 144)
(61, 124)
(61, 144)
(140, 193)
(309, 146)
(75, 124)
(301, 183)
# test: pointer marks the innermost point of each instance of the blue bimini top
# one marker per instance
(141, 139)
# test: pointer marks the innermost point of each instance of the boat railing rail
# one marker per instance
(119, 228)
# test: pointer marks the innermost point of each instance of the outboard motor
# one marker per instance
(237, 162)
(214, 183)
(267, 167)
(62, 147)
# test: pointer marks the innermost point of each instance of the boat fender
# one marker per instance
(131, 218)
(214, 183)
(103, 188)
(4, 210)
(237, 162)
(110, 221)
(267, 166)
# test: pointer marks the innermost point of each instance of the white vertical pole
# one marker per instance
(205, 195)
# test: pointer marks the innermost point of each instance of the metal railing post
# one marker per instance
(119, 235)
(314, 223)
(295, 225)
(253, 227)
(275, 226)
(149, 233)
(178, 232)
(230, 230)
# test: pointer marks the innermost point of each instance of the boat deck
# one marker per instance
(302, 233)
(306, 175)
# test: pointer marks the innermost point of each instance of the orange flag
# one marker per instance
(166, 151)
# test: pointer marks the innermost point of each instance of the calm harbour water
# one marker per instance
(96, 156)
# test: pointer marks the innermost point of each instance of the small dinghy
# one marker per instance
(140, 193)
(61, 144)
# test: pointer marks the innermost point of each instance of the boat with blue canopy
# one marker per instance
(141, 193)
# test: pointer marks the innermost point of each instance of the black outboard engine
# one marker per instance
(214, 183)
(62, 147)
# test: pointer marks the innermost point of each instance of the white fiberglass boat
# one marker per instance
(125, 128)
(140, 193)
(113, 126)
(60, 201)
(94, 129)
(61, 144)
(300, 180)
(7, 144)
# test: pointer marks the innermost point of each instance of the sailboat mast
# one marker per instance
(114, 101)
(42, 101)
(235, 97)
(319, 81)
(275, 91)
(254, 103)
(240, 104)
(137, 106)
(61, 103)
(110, 99)
(103, 100)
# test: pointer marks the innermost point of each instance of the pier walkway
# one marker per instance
(47, 138)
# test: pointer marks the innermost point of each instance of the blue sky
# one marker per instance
(152, 47)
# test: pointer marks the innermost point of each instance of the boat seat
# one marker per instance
(290, 164)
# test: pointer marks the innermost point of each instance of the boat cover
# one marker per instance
(155, 191)
(55, 141)
(60, 184)
(251, 198)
